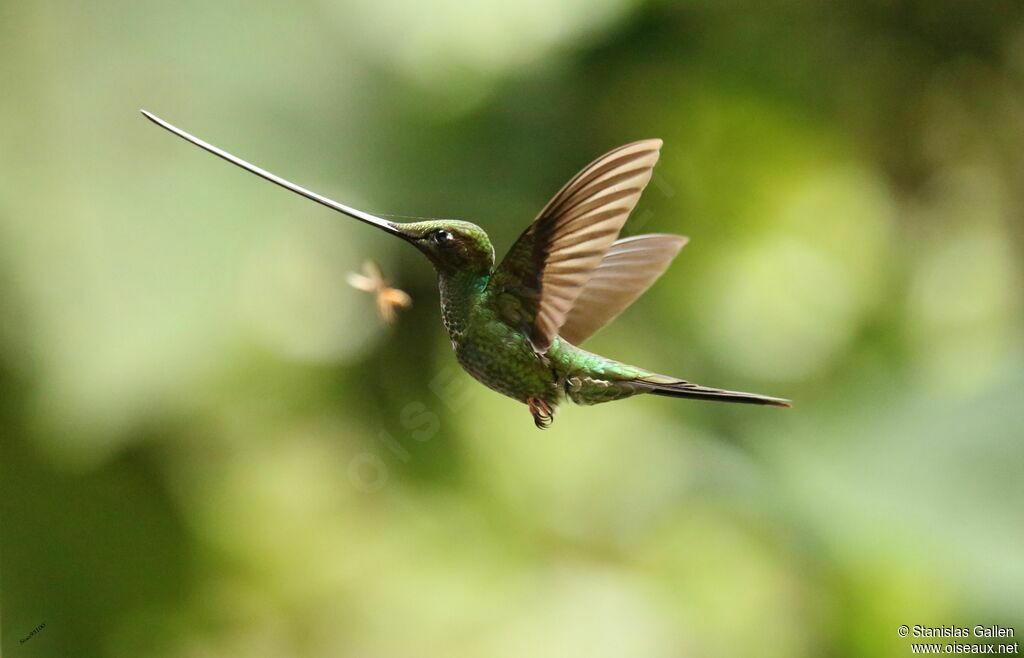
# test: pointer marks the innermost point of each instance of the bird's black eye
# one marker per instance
(441, 237)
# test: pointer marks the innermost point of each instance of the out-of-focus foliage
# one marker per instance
(212, 447)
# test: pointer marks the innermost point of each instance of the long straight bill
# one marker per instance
(276, 180)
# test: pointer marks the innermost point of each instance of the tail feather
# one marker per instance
(678, 388)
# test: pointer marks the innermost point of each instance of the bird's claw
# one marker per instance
(541, 411)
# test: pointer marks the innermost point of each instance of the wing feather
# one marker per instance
(627, 270)
(537, 283)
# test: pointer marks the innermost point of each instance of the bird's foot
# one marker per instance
(542, 412)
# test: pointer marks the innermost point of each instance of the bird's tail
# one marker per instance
(678, 388)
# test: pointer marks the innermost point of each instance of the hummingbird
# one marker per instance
(516, 326)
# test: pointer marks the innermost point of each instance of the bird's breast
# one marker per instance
(502, 359)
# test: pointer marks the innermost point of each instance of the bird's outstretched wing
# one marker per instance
(537, 283)
(628, 268)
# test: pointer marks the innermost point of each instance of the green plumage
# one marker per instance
(502, 358)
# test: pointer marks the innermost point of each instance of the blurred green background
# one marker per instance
(211, 446)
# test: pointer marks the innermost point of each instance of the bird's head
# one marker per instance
(451, 245)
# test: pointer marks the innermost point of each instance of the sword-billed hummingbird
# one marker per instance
(515, 327)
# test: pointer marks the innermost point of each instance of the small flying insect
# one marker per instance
(388, 299)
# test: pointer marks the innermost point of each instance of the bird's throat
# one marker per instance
(461, 293)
